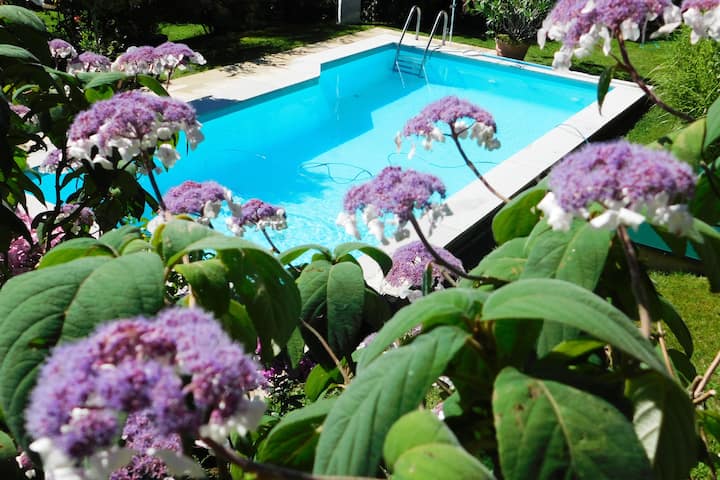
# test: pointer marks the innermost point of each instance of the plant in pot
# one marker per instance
(513, 22)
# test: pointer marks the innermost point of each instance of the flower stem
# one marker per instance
(706, 377)
(269, 240)
(627, 65)
(664, 350)
(448, 266)
(154, 184)
(473, 168)
(635, 281)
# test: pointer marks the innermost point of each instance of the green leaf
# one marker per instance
(42, 308)
(152, 84)
(546, 429)
(292, 442)
(394, 384)
(7, 448)
(319, 379)
(413, 429)
(18, 53)
(444, 307)
(118, 238)
(708, 249)
(713, 123)
(11, 14)
(380, 257)
(295, 348)
(73, 249)
(294, 253)
(687, 143)
(98, 79)
(572, 349)
(506, 262)
(101, 92)
(519, 216)
(312, 284)
(677, 326)
(664, 420)
(573, 306)
(345, 298)
(236, 322)
(684, 368)
(577, 255)
(604, 85)
(209, 282)
(438, 460)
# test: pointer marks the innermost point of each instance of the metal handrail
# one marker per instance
(444, 15)
(407, 24)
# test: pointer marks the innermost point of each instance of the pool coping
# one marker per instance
(228, 85)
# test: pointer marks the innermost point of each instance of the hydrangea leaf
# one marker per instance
(97, 79)
(152, 84)
(506, 262)
(16, 53)
(73, 249)
(677, 326)
(292, 442)
(293, 253)
(345, 299)
(319, 379)
(519, 216)
(118, 238)
(713, 123)
(391, 386)
(687, 143)
(567, 304)
(312, 284)
(557, 426)
(708, 248)
(604, 85)
(380, 257)
(439, 460)
(445, 307)
(15, 15)
(413, 429)
(209, 282)
(42, 308)
(664, 418)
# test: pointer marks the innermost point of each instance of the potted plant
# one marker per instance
(513, 22)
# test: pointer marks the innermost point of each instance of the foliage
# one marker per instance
(518, 19)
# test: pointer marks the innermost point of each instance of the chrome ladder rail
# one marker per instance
(444, 15)
(413, 10)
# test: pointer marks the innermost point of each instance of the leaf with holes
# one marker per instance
(561, 437)
(394, 384)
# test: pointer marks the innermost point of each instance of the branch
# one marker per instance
(472, 167)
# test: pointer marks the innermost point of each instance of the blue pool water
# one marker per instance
(302, 147)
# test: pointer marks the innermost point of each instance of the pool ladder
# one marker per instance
(410, 64)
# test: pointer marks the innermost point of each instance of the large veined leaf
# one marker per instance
(519, 216)
(14, 15)
(75, 248)
(294, 253)
(292, 442)
(687, 143)
(412, 430)
(449, 307)
(565, 303)
(380, 257)
(17, 53)
(42, 308)
(547, 429)
(119, 238)
(209, 282)
(708, 248)
(713, 123)
(353, 433)
(96, 79)
(677, 326)
(664, 421)
(345, 299)
(506, 262)
(438, 460)
(577, 255)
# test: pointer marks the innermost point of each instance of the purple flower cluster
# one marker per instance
(89, 62)
(392, 191)
(61, 50)
(260, 214)
(179, 372)
(52, 162)
(703, 16)
(19, 110)
(452, 111)
(83, 220)
(630, 181)
(157, 60)
(197, 198)
(580, 24)
(409, 264)
(132, 123)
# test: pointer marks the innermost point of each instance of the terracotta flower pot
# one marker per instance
(510, 49)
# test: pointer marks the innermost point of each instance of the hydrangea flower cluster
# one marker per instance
(581, 24)
(633, 183)
(89, 62)
(164, 58)
(19, 110)
(410, 261)
(61, 50)
(703, 16)
(393, 191)
(179, 371)
(257, 213)
(132, 123)
(454, 112)
(197, 198)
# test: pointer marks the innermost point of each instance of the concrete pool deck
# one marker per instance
(231, 84)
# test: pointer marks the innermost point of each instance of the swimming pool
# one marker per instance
(303, 146)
